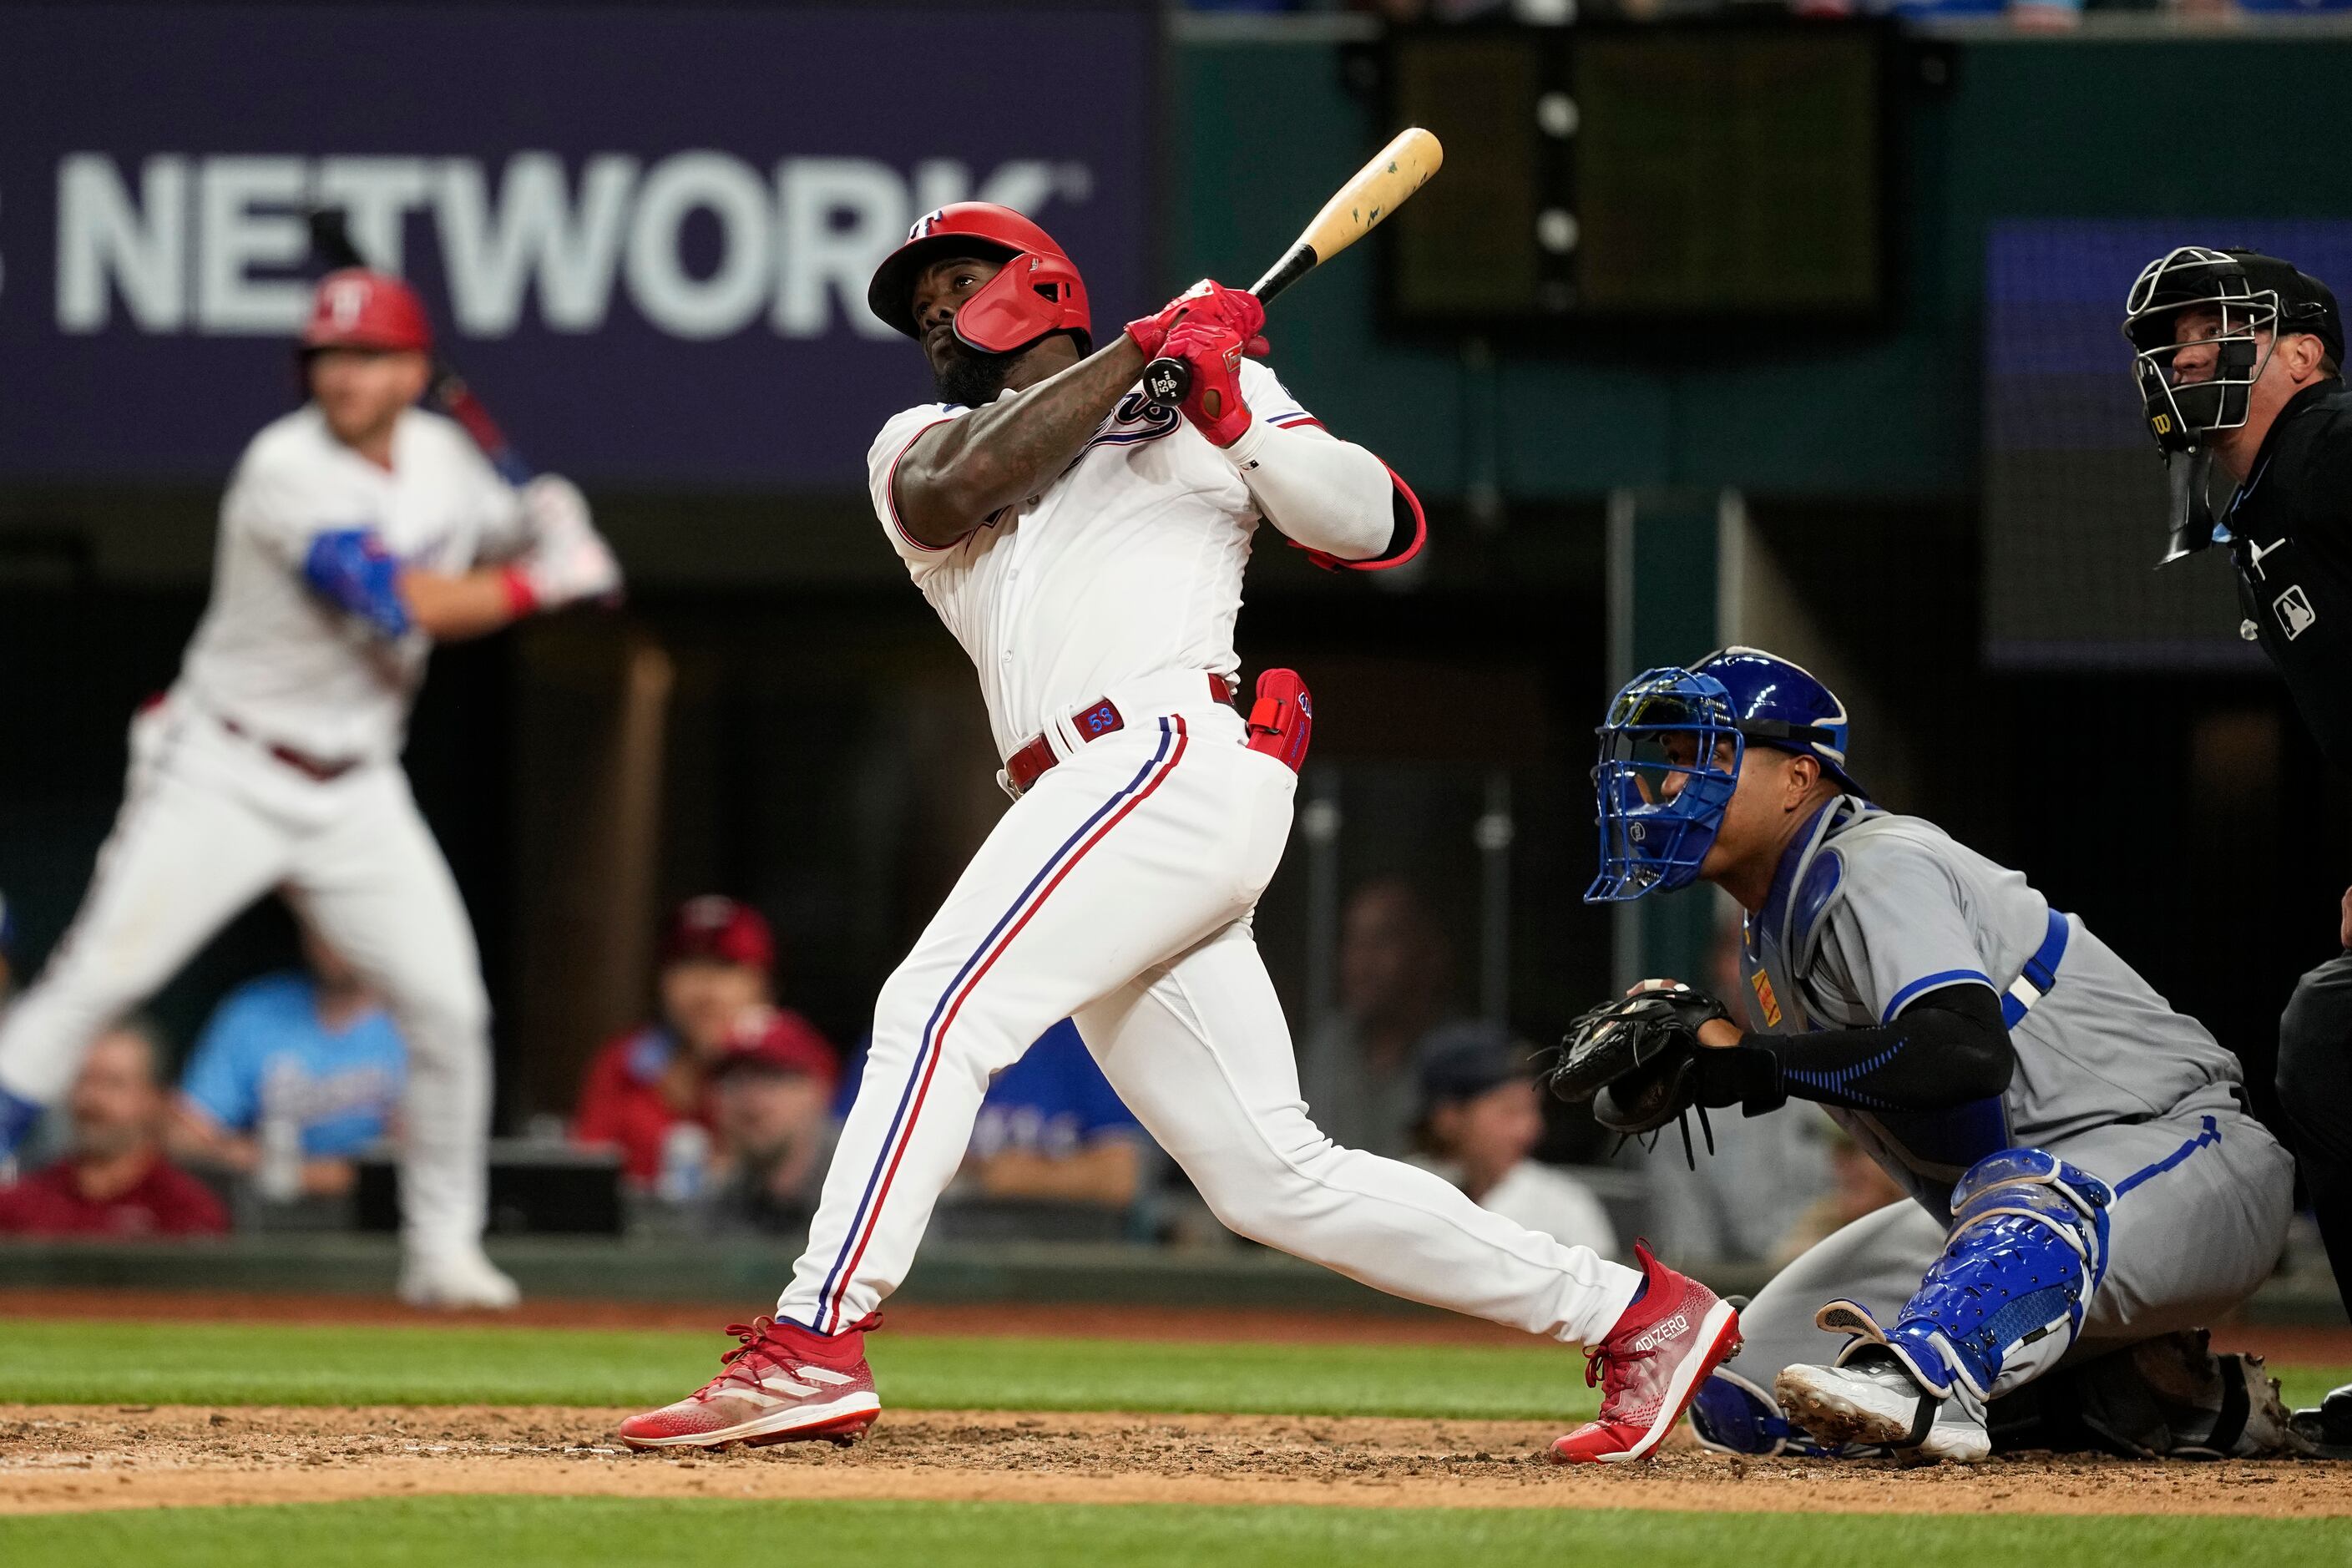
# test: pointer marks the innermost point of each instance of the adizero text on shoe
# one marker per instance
(1650, 1365)
(784, 1383)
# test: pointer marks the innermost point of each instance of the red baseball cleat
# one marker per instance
(1650, 1365)
(784, 1383)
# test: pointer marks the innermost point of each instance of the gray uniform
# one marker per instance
(1873, 910)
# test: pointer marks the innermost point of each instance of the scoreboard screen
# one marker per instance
(1726, 171)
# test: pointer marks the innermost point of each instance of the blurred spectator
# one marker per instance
(1858, 1185)
(1052, 1128)
(1481, 1116)
(301, 1073)
(7, 952)
(1357, 1071)
(771, 1093)
(648, 1092)
(114, 1180)
(2025, 16)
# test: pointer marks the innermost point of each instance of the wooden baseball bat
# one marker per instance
(1371, 195)
(330, 242)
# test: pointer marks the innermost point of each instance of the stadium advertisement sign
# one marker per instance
(645, 234)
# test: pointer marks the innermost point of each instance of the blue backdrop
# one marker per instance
(644, 234)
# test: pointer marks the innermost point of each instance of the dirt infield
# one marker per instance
(70, 1458)
(64, 1458)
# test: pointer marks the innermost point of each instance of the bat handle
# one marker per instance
(1167, 380)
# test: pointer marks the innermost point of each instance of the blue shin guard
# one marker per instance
(1732, 1415)
(2027, 1252)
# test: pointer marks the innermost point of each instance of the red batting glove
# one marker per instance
(1205, 300)
(1214, 406)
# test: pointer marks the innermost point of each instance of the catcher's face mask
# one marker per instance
(1670, 756)
(2200, 332)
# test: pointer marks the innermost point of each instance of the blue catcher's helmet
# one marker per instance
(1694, 725)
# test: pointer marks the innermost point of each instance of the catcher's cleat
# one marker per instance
(1650, 1365)
(784, 1383)
(1870, 1398)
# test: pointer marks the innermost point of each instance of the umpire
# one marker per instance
(2239, 358)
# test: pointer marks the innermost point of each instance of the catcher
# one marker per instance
(2086, 1173)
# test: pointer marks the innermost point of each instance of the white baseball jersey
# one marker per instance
(281, 662)
(214, 817)
(1127, 565)
(1118, 893)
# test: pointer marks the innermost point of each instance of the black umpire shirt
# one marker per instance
(2291, 524)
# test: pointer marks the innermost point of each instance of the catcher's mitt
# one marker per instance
(1634, 1058)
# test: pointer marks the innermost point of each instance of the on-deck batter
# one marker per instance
(350, 538)
(1087, 549)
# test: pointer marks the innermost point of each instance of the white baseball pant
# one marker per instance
(1117, 892)
(210, 822)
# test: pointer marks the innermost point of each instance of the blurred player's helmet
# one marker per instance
(2256, 298)
(357, 309)
(715, 928)
(1670, 755)
(1037, 293)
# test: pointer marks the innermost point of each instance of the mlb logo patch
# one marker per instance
(1766, 1002)
(2294, 611)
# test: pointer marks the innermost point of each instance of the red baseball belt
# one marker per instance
(1097, 719)
(318, 770)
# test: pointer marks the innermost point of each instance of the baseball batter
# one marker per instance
(352, 537)
(2084, 1168)
(1087, 549)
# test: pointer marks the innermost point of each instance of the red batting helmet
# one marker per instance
(357, 309)
(1038, 292)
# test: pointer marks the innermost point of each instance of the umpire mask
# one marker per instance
(2201, 323)
(2195, 376)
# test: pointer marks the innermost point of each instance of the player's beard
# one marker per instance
(971, 378)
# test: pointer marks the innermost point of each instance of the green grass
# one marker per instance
(74, 1363)
(569, 1532)
(262, 1363)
